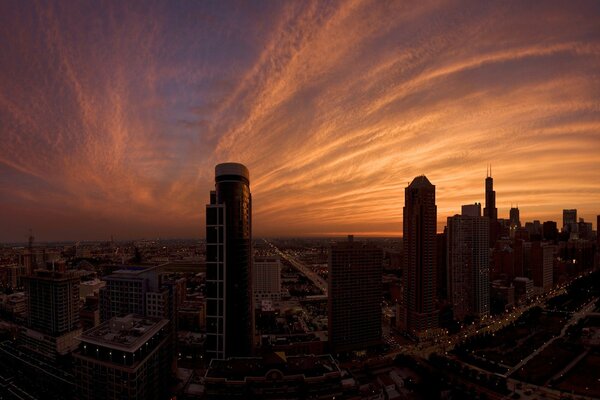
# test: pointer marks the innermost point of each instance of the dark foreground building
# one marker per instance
(125, 358)
(274, 376)
(229, 312)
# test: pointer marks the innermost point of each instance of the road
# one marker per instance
(319, 282)
(574, 319)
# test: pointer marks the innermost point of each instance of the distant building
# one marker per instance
(126, 357)
(266, 280)
(468, 265)
(570, 221)
(11, 274)
(523, 289)
(229, 297)
(355, 292)
(542, 264)
(418, 312)
(134, 290)
(535, 229)
(490, 209)
(89, 314)
(274, 376)
(471, 210)
(515, 220)
(584, 229)
(53, 313)
(550, 231)
(13, 306)
(502, 296)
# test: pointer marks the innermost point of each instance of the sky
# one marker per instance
(113, 114)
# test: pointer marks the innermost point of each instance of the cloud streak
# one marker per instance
(113, 117)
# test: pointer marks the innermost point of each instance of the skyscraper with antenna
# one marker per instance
(490, 209)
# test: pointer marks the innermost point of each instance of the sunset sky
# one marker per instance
(114, 114)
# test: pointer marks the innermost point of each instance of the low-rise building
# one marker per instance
(274, 376)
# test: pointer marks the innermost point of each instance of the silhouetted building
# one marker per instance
(125, 358)
(472, 210)
(468, 265)
(274, 376)
(535, 230)
(570, 221)
(490, 209)
(355, 291)
(418, 311)
(550, 231)
(53, 313)
(515, 220)
(229, 315)
(584, 229)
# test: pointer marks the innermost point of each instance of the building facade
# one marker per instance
(53, 313)
(468, 265)
(266, 280)
(355, 292)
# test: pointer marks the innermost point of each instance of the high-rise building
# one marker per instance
(230, 314)
(125, 358)
(468, 265)
(490, 209)
(418, 311)
(569, 220)
(266, 279)
(53, 313)
(355, 287)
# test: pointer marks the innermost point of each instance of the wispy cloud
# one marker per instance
(113, 116)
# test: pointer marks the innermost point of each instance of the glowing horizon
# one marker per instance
(113, 117)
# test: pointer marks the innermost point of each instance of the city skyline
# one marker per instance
(113, 118)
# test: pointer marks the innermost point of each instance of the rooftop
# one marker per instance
(419, 182)
(238, 369)
(124, 333)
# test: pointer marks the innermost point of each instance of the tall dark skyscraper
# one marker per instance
(490, 209)
(229, 314)
(418, 311)
(355, 272)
